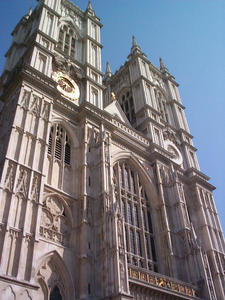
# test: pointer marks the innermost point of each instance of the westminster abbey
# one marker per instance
(101, 195)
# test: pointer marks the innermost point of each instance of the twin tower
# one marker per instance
(101, 195)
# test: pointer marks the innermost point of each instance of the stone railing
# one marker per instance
(164, 282)
(50, 234)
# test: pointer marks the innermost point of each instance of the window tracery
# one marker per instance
(59, 144)
(161, 104)
(67, 41)
(127, 104)
(135, 211)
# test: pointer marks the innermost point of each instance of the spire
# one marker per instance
(134, 42)
(135, 46)
(163, 68)
(108, 69)
(29, 13)
(89, 9)
(89, 5)
(108, 72)
(135, 49)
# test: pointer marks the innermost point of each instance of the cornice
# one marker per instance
(147, 106)
(181, 130)
(88, 37)
(174, 101)
(73, 7)
(148, 120)
(93, 68)
(22, 283)
(194, 176)
(51, 10)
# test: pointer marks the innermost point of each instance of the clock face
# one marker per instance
(175, 152)
(66, 86)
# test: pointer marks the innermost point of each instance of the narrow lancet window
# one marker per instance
(59, 144)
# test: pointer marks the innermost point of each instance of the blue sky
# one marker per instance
(189, 36)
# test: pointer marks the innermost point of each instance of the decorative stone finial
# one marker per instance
(134, 42)
(89, 5)
(108, 72)
(108, 69)
(89, 9)
(28, 13)
(135, 47)
(162, 65)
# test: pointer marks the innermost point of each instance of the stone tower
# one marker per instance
(101, 195)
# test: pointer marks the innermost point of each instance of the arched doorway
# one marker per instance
(55, 294)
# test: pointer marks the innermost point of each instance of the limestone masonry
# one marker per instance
(101, 195)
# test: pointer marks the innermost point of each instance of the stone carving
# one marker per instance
(35, 105)
(45, 110)
(168, 134)
(54, 224)
(181, 192)
(35, 190)
(66, 66)
(94, 137)
(120, 233)
(14, 233)
(168, 176)
(25, 99)
(122, 276)
(193, 239)
(10, 176)
(23, 182)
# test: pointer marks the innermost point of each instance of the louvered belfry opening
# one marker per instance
(59, 144)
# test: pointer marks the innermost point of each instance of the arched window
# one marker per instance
(161, 105)
(59, 144)
(136, 214)
(55, 294)
(67, 41)
(127, 104)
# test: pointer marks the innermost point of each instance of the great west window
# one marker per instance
(136, 214)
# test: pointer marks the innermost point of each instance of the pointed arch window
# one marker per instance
(136, 214)
(59, 144)
(67, 41)
(127, 104)
(161, 104)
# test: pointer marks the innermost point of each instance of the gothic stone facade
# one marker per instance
(101, 196)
